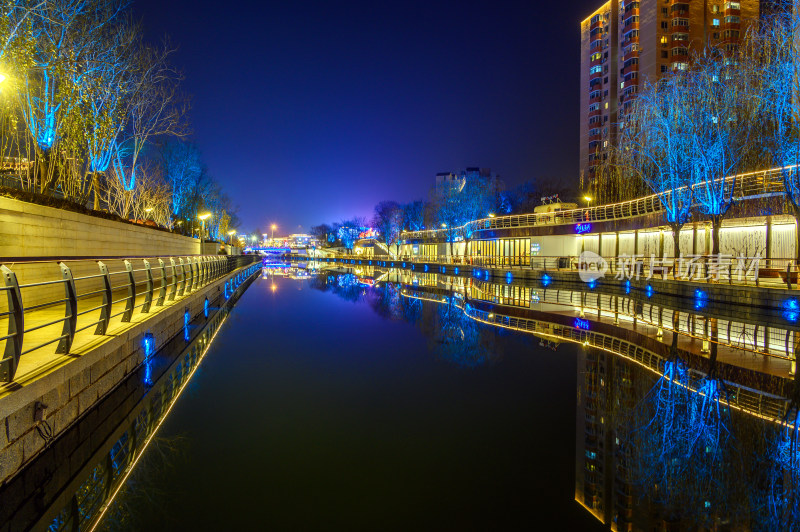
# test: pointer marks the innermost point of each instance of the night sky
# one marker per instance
(311, 112)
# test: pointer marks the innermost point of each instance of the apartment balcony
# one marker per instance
(629, 40)
(679, 58)
(630, 55)
(596, 112)
(598, 99)
(628, 70)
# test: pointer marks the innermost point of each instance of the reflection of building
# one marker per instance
(624, 41)
(603, 477)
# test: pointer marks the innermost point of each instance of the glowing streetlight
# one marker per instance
(274, 226)
(444, 225)
(203, 217)
(230, 235)
(491, 215)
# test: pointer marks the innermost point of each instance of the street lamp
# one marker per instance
(230, 235)
(203, 217)
(273, 233)
(491, 215)
(588, 201)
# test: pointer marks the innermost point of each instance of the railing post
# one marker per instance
(148, 295)
(16, 327)
(162, 292)
(105, 310)
(131, 299)
(187, 287)
(70, 311)
(180, 279)
(196, 273)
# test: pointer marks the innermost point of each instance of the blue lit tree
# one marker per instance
(461, 201)
(414, 216)
(722, 115)
(156, 109)
(184, 171)
(775, 49)
(655, 147)
(388, 221)
(348, 231)
(63, 35)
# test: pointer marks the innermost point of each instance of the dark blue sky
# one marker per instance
(310, 112)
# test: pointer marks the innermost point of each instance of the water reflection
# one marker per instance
(690, 423)
(451, 334)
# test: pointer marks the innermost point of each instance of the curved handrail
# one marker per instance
(740, 186)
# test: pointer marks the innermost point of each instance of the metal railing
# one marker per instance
(161, 280)
(751, 185)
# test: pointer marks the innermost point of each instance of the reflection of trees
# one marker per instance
(451, 333)
(344, 285)
(386, 301)
(145, 487)
(460, 340)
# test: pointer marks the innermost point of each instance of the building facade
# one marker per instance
(625, 42)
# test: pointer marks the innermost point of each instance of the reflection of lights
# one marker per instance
(791, 310)
(273, 287)
(700, 299)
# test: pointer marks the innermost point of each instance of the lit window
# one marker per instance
(715, 22)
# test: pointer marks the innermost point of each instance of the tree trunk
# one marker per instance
(676, 248)
(716, 225)
(96, 191)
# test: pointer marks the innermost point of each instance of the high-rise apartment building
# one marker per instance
(627, 41)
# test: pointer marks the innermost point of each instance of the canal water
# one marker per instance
(318, 409)
(394, 399)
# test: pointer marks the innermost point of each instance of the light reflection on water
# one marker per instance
(492, 390)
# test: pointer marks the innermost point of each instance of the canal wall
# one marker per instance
(123, 421)
(72, 389)
(29, 230)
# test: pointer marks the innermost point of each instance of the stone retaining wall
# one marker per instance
(30, 230)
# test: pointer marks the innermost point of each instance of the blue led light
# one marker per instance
(426, 267)
(592, 283)
(649, 291)
(546, 280)
(791, 310)
(149, 347)
(206, 306)
(509, 277)
(186, 319)
(456, 270)
(628, 286)
(700, 299)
